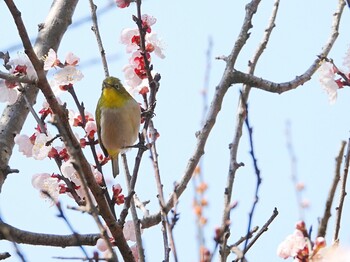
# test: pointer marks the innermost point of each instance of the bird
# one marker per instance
(118, 118)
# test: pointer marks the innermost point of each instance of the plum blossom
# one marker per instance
(117, 196)
(45, 182)
(72, 59)
(129, 231)
(156, 43)
(25, 145)
(123, 3)
(8, 93)
(326, 78)
(69, 171)
(127, 36)
(291, 245)
(51, 60)
(40, 148)
(68, 75)
(23, 66)
(97, 174)
(148, 21)
(131, 78)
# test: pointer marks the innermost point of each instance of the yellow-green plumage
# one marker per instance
(118, 119)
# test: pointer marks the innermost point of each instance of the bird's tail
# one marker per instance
(115, 166)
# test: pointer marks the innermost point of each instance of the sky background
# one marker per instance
(317, 128)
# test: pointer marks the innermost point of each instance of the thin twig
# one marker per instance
(294, 176)
(166, 230)
(63, 216)
(40, 122)
(258, 177)
(322, 228)
(342, 194)
(264, 228)
(95, 29)
(243, 238)
(135, 218)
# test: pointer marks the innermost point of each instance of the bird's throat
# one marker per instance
(112, 98)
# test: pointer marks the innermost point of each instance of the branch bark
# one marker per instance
(10, 233)
(14, 116)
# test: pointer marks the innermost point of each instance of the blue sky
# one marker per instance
(302, 28)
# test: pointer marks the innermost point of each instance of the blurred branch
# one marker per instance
(10, 233)
(342, 194)
(322, 228)
(95, 29)
(14, 116)
(78, 159)
(293, 164)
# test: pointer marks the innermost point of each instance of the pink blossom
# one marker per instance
(148, 21)
(123, 3)
(126, 39)
(23, 61)
(326, 78)
(68, 75)
(131, 78)
(40, 150)
(8, 94)
(24, 144)
(51, 60)
(97, 174)
(90, 127)
(101, 245)
(157, 44)
(129, 231)
(45, 182)
(291, 245)
(69, 171)
(72, 59)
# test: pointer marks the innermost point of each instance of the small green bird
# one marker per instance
(118, 118)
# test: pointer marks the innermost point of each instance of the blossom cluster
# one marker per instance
(20, 66)
(332, 78)
(299, 247)
(136, 72)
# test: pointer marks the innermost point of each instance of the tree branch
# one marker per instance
(10, 233)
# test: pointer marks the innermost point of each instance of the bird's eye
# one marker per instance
(116, 86)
